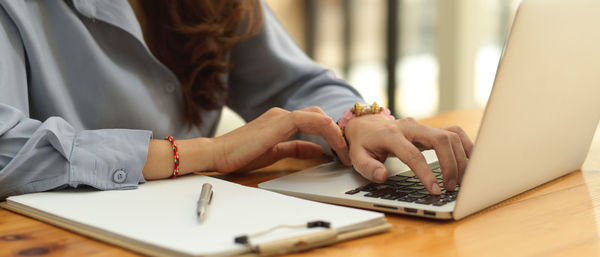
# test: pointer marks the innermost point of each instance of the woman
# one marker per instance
(90, 88)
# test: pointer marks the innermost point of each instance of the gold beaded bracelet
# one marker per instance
(361, 109)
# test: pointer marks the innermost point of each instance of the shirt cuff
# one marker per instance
(109, 158)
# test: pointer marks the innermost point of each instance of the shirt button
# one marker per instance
(170, 87)
(87, 9)
(119, 176)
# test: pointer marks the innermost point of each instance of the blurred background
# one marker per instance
(418, 57)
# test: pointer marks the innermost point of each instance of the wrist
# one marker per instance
(196, 154)
(353, 128)
(359, 110)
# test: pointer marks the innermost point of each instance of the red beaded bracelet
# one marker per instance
(175, 155)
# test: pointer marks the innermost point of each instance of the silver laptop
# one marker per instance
(538, 123)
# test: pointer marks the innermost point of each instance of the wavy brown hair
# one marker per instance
(193, 38)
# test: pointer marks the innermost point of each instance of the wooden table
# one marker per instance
(559, 218)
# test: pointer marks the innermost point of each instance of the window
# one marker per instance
(447, 51)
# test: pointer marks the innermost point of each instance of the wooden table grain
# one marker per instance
(559, 218)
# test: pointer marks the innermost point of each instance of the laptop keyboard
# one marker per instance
(408, 189)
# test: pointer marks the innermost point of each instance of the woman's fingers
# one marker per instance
(277, 125)
(296, 149)
(366, 164)
(312, 120)
(440, 140)
(464, 139)
(462, 149)
(460, 156)
(256, 142)
(414, 159)
(289, 149)
(403, 138)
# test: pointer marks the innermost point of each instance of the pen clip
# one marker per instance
(211, 196)
(293, 244)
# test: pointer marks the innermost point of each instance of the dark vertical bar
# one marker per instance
(392, 51)
(310, 9)
(347, 37)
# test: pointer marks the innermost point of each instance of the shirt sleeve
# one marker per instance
(270, 70)
(43, 155)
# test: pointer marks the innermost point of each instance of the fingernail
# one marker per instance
(379, 175)
(451, 184)
(435, 189)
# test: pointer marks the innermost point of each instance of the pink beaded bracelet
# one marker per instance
(175, 156)
(360, 109)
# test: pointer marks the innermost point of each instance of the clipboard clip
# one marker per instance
(289, 245)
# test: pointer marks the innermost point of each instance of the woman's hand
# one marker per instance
(257, 144)
(373, 137)
(262, 141)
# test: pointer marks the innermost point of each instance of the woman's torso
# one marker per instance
(88, 64)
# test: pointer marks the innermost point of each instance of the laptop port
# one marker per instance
(410, 210)
(385, 206)
(430, 213)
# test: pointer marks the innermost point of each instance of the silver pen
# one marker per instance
(205, 199)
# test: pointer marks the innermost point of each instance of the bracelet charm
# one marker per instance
(361, 109)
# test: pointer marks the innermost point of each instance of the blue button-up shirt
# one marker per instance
(81, 94)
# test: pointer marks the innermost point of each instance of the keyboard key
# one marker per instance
(423, 191)
(449, 198)
(439, 203)
(373, 187)
(388, 197)
(393, 196)
(453, 193)
(353, 191)
(397, 183)
(429, 199)
(380, 192)
(398, 178)
(404, 184)
(368, 188)
(418, 195)
(405, 190)
(407, 199)
(408, 189)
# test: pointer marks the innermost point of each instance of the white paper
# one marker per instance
(163, 213)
